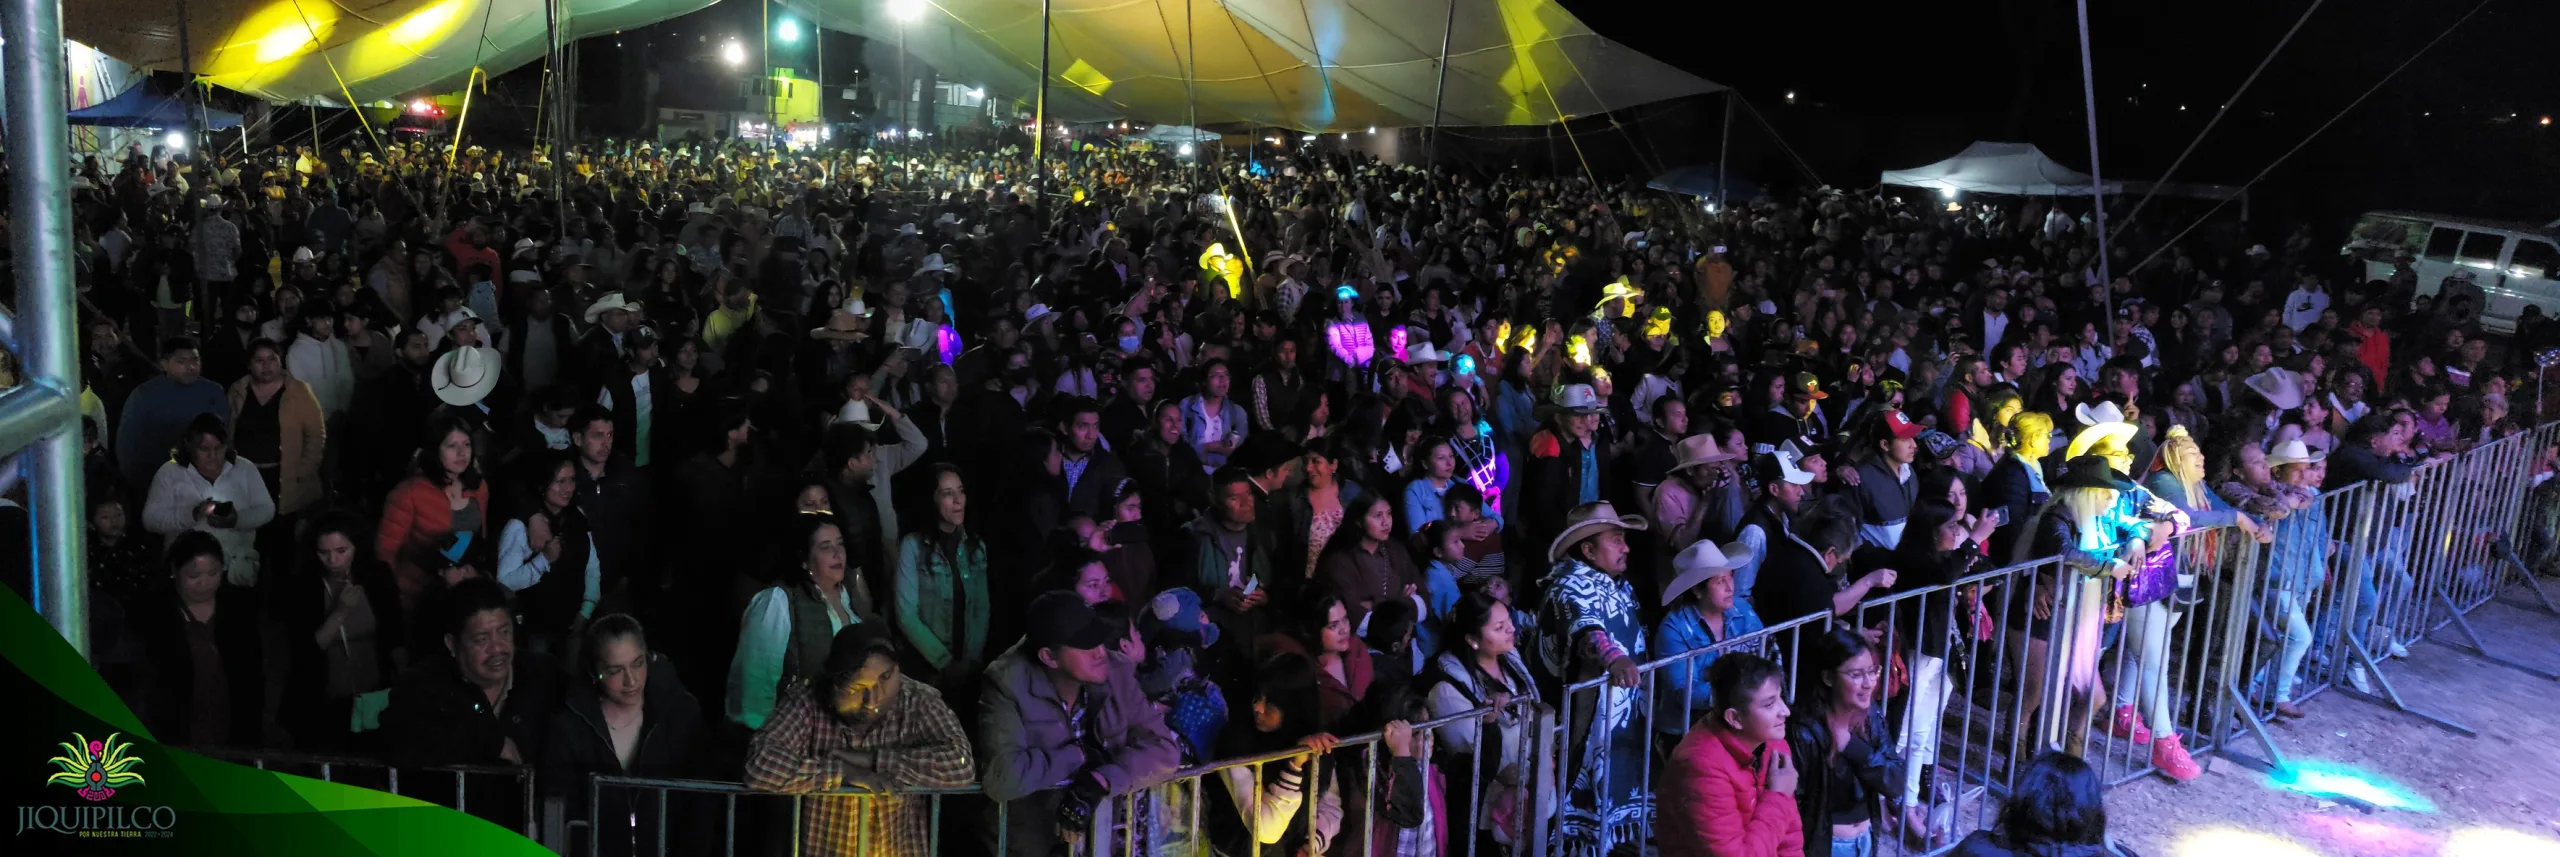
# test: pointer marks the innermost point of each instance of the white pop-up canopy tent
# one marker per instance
(2018, 169)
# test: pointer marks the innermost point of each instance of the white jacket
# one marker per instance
(170, 509)
(328, 367)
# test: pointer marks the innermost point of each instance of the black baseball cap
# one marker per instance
(1061, 619)
(856, 643)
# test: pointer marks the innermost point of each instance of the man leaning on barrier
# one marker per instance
(1065, 728)
(860, 727)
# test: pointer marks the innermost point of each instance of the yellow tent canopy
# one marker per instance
(1309, 65)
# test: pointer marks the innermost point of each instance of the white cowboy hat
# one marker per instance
(1702, 562)
(1424, 353)
(609, 302)
(932, 265)
(2294, 452)
(840, 325)
(1037, 312)
(1587, 520)
(2100, 413)
(2281, 387)
(2113, 434)
(1700, 449)
(464, 376)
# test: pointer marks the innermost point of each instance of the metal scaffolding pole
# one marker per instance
(41, 416)
(1439, 91)
(2097, 180)
(1724, 147)
(1039, 127)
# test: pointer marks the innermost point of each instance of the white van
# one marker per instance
(2515, 264)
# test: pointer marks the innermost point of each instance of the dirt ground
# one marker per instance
(2496, 794)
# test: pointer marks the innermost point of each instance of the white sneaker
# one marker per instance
(2397, 650)
(2357, 679)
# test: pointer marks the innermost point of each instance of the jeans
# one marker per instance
(1919, 738)
(2144, 679)
(1861, 845)
(2286, 616)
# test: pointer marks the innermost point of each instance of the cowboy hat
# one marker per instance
(840, 325)
(1578, 399)
(1778, 467)
(1703, 562)
(2100, 413)
(2281, 387)
(1588, 520)
(2110, 434)
(609, 302)
(2090, 471)
(464, 376)
(854, 304)
(1424, 353)
(933, 264)
(1938, 445)
(2294, 452)
(1037, 312)
(1699, 449)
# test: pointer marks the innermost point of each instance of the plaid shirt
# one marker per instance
(921, 747)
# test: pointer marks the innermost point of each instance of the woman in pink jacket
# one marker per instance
(1729, 790)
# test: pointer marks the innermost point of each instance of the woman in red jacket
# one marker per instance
(444, 497)
(1729, 790)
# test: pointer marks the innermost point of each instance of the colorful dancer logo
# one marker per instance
(96, 768)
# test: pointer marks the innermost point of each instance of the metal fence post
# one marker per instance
(43, 415)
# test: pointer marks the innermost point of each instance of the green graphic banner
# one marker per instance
(84, 777)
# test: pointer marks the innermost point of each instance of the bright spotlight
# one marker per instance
(422, 107)
(2220, 842)
(1711, 208)
(733, 53)
(1372, 129)
(978, 93)
(1947, 192)
(1791, 96)
(906, 10)
(789, 31)
(177, 141)
(1185, 150)
(2487, 841)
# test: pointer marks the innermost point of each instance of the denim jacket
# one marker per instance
(1680, 691)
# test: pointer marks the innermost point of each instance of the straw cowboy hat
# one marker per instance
(1424, 353)
(2096, 414)
(2294, 452)
(2108, 434)
(840, 325)
(1703, 562)
(609, 302)
(464, 376)
(1588, 520)
(1700, 449)
(2282, 387)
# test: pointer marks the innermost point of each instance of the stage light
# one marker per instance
(789, 30)
(1374, 129)
(2223, 842)
(906, 10)
(1711, 208)
(2495, 842)
(1791, 96)
(2546, 121)
(177, 141)
(1185, 150)
(422, 107)
(2324, 780)
(734, 54)
(1947, 192)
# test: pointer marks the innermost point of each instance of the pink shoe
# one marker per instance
(2127, 725)
(2171, 758)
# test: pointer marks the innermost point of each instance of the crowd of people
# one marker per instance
(869, 469)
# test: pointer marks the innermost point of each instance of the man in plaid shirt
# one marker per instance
(861, 729)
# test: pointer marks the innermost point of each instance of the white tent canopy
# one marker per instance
(1172, 134)
(2019, 169)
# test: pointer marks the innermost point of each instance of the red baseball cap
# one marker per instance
(1900, 425)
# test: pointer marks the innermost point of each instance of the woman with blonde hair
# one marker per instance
(2106, 529)
(2016, 485)
(2144, 711)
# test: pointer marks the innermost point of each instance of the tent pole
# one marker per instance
(1191, 83)
(2097, 180)
(186, 64)
(1724, 149)
(40, 413)
(1039, 125)
(1440, 90)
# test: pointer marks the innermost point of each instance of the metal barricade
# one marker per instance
(1170, 817)
(2170, 660)
(519, 807)
(673, 816)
